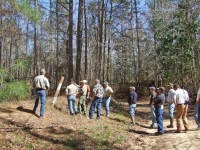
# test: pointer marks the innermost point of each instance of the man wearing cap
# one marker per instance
(41, 84)
(197, 108)
(98, 92)
(82, 100)
(106, 97)
(153, 115)
(159, 101)
(180, 104)
(71, 92)
(171, 104)
(132, 100)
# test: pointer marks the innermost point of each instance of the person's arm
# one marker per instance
(77, 85)
(198, 96)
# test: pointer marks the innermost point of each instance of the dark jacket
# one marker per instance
(132, 98)
(159, 100)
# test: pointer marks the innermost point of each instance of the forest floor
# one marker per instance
(22, 130)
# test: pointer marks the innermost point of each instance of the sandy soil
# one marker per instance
(20, 129)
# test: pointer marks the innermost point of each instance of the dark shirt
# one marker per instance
(159, 101)
(132, 98)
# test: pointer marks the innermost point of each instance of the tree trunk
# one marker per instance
(86, 43)
(79, 41)
(70, 45)
(36, 52)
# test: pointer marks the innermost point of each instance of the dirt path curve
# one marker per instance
(187, 140)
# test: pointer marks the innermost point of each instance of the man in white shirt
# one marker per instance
(82, 99)
(171, 104)
(197, 109)
(71, 92)
(180, 104)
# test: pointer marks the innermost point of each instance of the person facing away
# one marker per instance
(97, 96)
(197, 108)
(171, 104)
(181, 111)
(41, 84)
(108, 91)
(153, 115)
(82, 99)
(71, 92)
(132, 100)
(159, 102)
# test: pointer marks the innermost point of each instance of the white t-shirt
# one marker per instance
(71, 90)
(180, 96)
(171, 95)
(41, 82)
(108, 91)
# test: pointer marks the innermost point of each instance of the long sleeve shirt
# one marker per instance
(132, 98)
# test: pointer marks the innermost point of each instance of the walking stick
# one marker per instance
(58, 90)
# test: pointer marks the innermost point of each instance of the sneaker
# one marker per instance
(41, 117)
(107, 115)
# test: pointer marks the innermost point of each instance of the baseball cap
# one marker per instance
(170, 84)
(84, 81)
(132, 87)
(106, 83)
(161, 88)
(42, 71)
(152, 87)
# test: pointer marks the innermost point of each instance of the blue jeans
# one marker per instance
(106, 102)
(40, 95)
(171, 107)
(153, 115)
(72, 104)
(159, 118)
(132, 109)
(96, 103)
(196, 113)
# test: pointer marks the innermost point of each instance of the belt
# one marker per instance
(39, 89)
(180, 104)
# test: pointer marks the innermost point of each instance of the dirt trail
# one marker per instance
(22, 130)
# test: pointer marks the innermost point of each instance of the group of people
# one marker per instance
(100, 94)
(177, 97)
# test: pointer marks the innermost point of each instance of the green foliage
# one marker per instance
(15, 90)
(176, 44)
(24, 6)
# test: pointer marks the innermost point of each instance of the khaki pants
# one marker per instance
(181, 117)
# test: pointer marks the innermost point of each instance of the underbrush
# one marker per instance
(17, 90)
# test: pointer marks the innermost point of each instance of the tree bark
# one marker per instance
(79, 41)
(70, 45)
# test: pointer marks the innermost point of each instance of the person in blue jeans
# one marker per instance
(197, 109)
(159, 101)
(41, 84)
(71, 92)
(107, 97)
(98, 92)
(132, 100)
(153, 115)
(171, 104)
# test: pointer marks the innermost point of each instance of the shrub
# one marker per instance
(17, 90)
